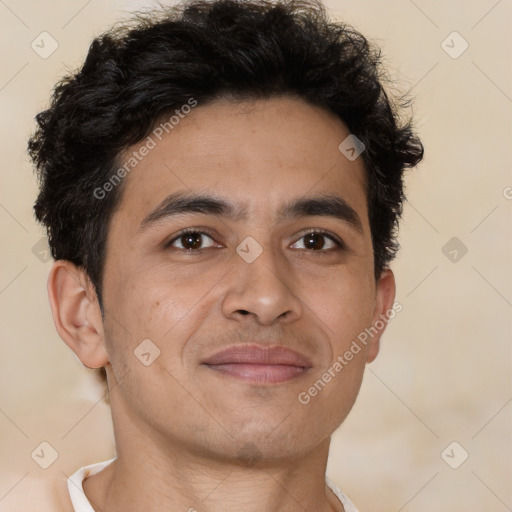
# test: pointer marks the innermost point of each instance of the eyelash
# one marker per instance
(340, 245)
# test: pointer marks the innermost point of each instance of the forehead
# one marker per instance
(257, 153)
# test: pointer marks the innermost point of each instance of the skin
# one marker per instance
(180, 426)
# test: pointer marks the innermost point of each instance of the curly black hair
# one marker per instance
(142, 70)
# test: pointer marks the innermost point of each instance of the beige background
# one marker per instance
(444, 372)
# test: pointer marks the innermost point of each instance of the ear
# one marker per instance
(76, 313)
(384, 299)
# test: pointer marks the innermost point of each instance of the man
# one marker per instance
(221, 183)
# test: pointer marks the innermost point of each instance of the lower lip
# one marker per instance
(259, 373)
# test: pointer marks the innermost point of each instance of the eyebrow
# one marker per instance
(180, 203)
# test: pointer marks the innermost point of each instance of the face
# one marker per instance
(256, 271)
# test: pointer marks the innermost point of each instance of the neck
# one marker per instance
(153, 480)
(156, 471)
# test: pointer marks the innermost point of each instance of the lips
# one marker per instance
(259, 364)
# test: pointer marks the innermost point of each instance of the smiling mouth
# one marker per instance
(259, 373)
(261, 365)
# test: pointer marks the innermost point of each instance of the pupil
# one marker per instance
(312, 240)
(192, 239)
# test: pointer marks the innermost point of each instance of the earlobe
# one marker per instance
(76, 313)
(385, 296)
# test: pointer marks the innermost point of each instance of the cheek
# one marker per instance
(162, 305)
(343, 302)
(153, 300)
(347, 306)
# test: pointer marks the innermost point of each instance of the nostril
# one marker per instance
(243, 311)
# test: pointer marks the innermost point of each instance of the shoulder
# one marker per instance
(36, 494)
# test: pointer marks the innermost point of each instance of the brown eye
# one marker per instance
(190, 241)
(315, 241)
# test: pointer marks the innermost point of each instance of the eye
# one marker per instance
(314, 240)
(190, 240)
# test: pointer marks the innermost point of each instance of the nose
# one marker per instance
(262, 291)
